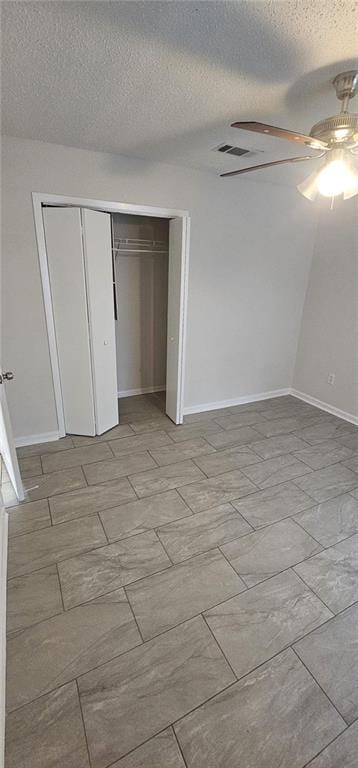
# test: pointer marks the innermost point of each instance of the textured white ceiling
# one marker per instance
(164, 80)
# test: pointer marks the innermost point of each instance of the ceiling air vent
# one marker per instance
(228, 149)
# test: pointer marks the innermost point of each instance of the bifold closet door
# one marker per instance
(69, 302)
(97, 242)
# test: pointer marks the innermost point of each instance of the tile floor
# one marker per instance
(187, 596)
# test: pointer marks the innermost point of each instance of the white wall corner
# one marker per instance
(325, 406)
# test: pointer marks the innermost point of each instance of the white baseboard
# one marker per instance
(3, 566)
(45, 437)
(236, 401)
(140, 391)
(325, 406)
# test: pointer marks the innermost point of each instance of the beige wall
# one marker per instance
(328, 340)
(251, 246)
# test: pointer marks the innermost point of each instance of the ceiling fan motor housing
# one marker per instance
(339, 129)
(342, 129)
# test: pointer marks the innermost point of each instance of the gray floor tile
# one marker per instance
(352, 463)
(205, 416)
(36, 550)
(48, 733)
(160, 752)
(350, 438)
(68, 645)
(323, 454)
(341, 754)
(333, 574)
(354, 493)
(332, 520)
(252, 724)
(232, 437)
(29, 517)
(272, 504)
(74, 457)
(165, 478)
(331, 654)
(88, 576)
(139, 415)
(289, 410)
(152, 425)
(205, 530)
(30, 466)
(114, 468)
(138, 443)
(187, 449)
(278, 426)
(270, 550)
(193, 431)
(38, 448)
(256, 625)
(216, 490)
(143, 514)
(166, 599)
(88, 500)
(275, 471)
(332, 428)
(224, 461)
(32, 598)
(122, 430)
(131, 698)
(244, 419)
(326, 483)
(42, 486)
(254, 405)
(277, 446)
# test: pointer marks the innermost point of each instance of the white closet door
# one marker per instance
(97, 240)
(68, 289)
(176, 298)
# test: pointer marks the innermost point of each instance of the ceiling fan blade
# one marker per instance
(281, 133)
(269, 165)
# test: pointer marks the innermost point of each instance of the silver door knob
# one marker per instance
(8, 375)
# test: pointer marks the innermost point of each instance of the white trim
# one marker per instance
(183, 315)
(235, 401)
(109, 206)
(3, 571)
(45, 437)
(325, 406)
(140, 391)
(40, 198)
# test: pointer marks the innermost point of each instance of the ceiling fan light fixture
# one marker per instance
(337, 177)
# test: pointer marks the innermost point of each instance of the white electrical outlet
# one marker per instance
(331, 378)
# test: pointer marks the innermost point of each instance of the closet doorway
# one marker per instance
(135, 312)
(141, 263)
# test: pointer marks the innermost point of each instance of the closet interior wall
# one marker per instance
(141, 245)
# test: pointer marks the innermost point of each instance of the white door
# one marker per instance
(7, 445)
(97, 243)
(65, 259)
(177, 287)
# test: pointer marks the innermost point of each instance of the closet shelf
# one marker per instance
(134, 246)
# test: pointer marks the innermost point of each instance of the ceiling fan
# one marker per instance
(336, 137)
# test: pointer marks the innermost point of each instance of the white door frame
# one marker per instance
(109, 206)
